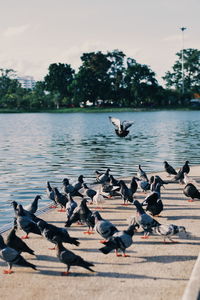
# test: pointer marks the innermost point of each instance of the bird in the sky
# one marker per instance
(120, 240)
(69, 258)
(191, 191)
(121, 127)
(12, 257)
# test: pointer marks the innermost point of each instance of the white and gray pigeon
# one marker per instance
(12, 257)
(121, 127)
(69, 258)
(103, 177)
(141, 174)
(168, 230)
(121, 240)
(103, 227)
(70, 206)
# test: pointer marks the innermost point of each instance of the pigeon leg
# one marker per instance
(125, 255)
(145, 236)
(79, 223)
(191, 200)
(65, 273)
(53, 206)
(117, 254)
(103, 241)
(62, 210)
(8, 271)
(54, 248)
(24, 237)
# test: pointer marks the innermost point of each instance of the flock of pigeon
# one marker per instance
(78, 211)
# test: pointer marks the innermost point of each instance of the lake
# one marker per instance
(40, 147)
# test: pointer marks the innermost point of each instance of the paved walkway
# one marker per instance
(154, 270)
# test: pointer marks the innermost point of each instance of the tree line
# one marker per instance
(110, 79)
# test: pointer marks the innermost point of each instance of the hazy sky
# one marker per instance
(36, 33)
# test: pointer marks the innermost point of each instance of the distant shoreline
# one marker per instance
(97, 110)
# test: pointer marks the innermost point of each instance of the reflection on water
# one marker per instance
(40, 147)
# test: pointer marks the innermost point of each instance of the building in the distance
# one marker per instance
(27, 82)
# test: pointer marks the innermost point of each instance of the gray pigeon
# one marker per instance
(26, 223)
(121, 127)
(12, 257)
(144, 220)
(51, 194)
(71, 259)
(55, 234)
(103, 227)
(120, 240)
(32, 208)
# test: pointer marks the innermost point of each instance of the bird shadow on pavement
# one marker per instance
(183, 217)
(47, 258)
(133, 276)
(165, 259)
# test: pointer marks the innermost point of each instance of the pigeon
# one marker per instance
(84, 215)
(70, 206)
(70, 189)
(55, 234)
(28, 214)
(166, 231)
(141, 174)
(186, 167)
(103, 177)
(51, 194)
(120, 240)
(98, 199)
(191, 191)
(12, 257)
(121, 127)
(153, 203)
(32, 208)
(13, 241)
(169, 169)
(103, 227)
(60, 199)
(127, 193)
(90, 193)
(144, 220)
(26, 223)
(71, 259)
(180, 175)
(79, 184)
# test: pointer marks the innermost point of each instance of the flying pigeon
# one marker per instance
(121, 127)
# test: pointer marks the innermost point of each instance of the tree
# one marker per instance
(58, 80)
(191, 63)
(139, 80)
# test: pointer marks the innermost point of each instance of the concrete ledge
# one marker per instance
(192, 291)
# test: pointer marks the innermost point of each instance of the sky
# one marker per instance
(35, 34)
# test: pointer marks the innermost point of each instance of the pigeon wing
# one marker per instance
(116, 122)
(127, 124)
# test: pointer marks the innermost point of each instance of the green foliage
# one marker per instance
(105, 80)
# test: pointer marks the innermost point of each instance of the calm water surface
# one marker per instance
(35, 148)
